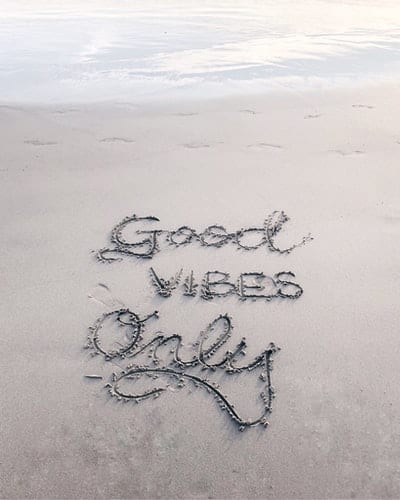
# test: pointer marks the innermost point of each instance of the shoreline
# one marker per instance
(203, 98)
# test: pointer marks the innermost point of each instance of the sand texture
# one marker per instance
(69, 174)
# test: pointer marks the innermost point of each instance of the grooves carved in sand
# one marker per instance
(177, 372)
(213, 236)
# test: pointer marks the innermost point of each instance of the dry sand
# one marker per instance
(69, 174)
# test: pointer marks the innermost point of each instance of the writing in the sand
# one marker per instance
(120, 334)
(250, 285)
(151, 241)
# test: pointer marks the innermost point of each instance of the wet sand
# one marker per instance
(69, 174)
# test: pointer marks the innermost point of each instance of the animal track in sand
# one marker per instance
(35, 142)
(264, 145)
(366, 106)
(116, 139)
(308, 117)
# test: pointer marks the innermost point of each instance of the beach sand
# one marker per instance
(329, 159)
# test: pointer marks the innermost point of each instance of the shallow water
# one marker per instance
(147, 50)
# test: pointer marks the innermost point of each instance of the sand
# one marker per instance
(70, 173)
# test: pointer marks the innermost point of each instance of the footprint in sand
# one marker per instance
(366, 106)
(340, 152)
(117, 139)
(184, 114)
(264, 145)
(309, 117)
(249, 111)
(35, 142)
(65, 111)
(196, 145)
